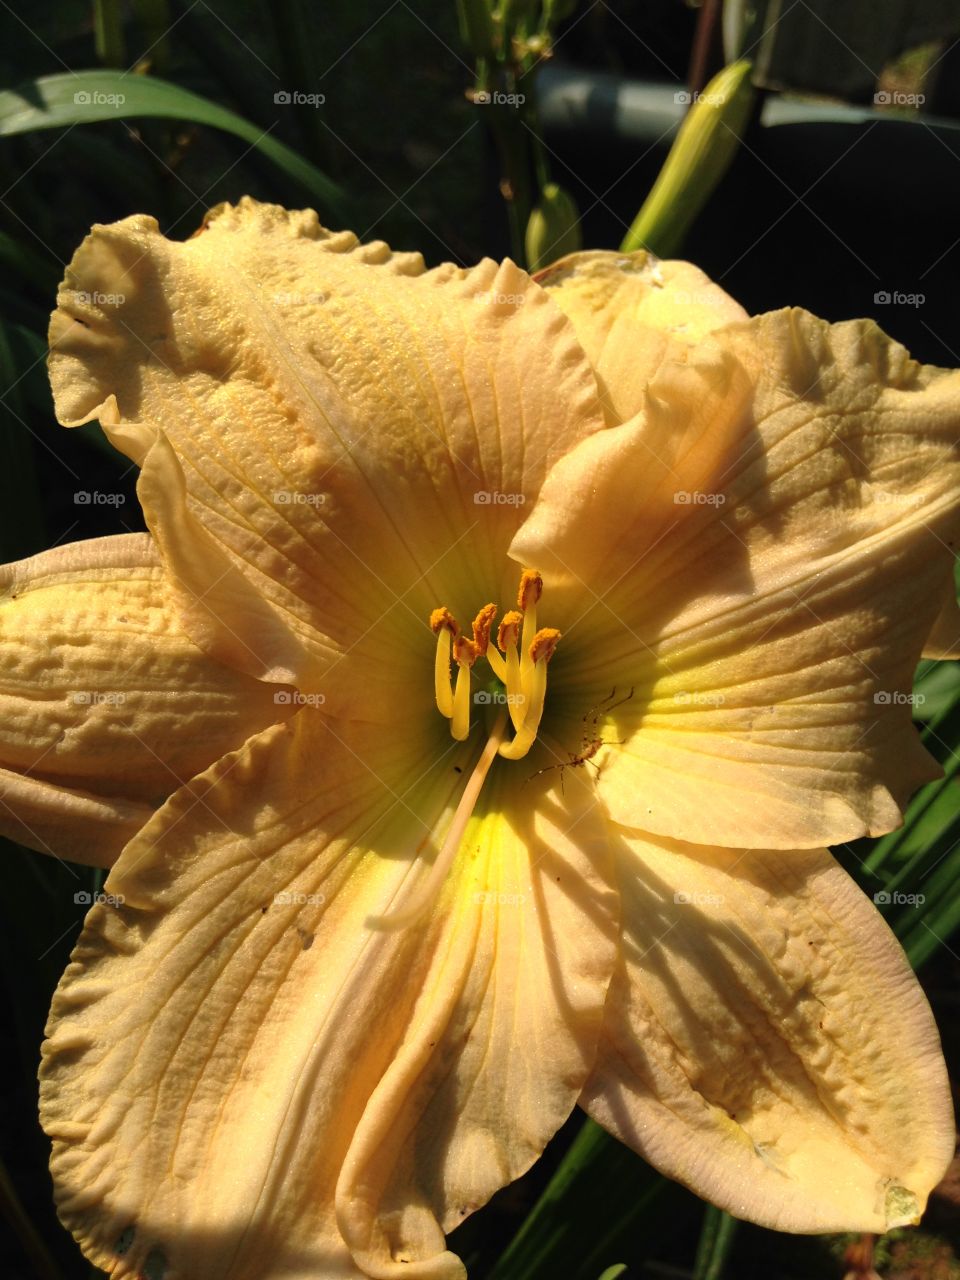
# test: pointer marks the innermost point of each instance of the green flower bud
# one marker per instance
(702, 151)
(553, 230)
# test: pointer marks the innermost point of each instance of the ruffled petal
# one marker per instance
(768, 625)
(378, 1084)
(106, 707)
(632, 312)
(766, 1042)
(352, 437)
(67, 822)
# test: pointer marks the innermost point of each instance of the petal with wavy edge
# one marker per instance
(766, 1042)
(631, 313)
(379, 1084)
(105, 706)
(770, 636)
(67, 822)
(356, 438)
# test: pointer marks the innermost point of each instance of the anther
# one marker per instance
(544, 644)
(531, 589)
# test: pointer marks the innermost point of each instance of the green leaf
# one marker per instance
(89, 97)
(913, 874)
(601, 1197)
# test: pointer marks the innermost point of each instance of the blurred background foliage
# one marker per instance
(842, 196)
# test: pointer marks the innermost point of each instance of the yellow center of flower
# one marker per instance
(518, 660)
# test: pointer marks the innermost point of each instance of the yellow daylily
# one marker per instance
(588, 600)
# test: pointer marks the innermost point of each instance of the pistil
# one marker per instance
(425, 894)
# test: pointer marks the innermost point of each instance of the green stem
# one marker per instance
(108, 33)
(513, 151)
(19, 1220)
(716, 1240)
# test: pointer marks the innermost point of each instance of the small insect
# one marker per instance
(592, 741)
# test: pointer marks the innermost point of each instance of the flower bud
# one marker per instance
(702, 152)
(553, 230)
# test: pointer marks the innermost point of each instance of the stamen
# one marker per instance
(531, 589)
(465, 655)
(411, 912)
(507, 640)
(535, 689)
(521, 669)
(444, 626)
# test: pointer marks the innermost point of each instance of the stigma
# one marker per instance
(518, 660)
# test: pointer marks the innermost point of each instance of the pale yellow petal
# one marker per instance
(358, 440)
(106, 707)
(766, 1042)
(248, 1079)
(632, 312)
(67, 822)
(770, 629)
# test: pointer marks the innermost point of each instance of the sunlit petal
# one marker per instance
(358, 439)
(106, 707)
(771, 627)
(632, 313)
(766, 1042)
(380, 1084)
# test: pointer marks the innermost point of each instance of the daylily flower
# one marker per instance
(501, 659)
